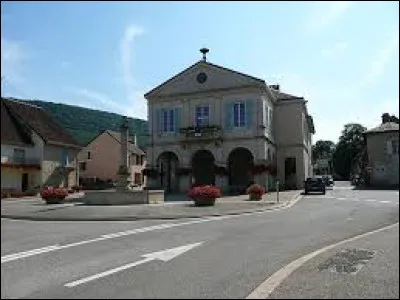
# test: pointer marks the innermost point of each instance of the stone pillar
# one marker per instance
(123, 171)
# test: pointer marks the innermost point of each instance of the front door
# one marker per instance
(24, 185)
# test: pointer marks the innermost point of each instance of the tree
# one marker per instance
(322, 149)
(351, 144)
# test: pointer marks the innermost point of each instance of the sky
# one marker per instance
(343, 57)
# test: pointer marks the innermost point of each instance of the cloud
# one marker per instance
(382, 60)
(324, 14)
(137, 104)
(104, 100)
(12, 57)
(335, 50)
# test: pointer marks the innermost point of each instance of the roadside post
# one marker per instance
(277, 191)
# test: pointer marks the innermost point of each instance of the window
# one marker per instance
(64, 157)
(266, 119)
(89, 155)
(82, 166)
(19, 156)
(239, 116)
(395, 146)
(168, 120)
(202, 115)
(270, 118)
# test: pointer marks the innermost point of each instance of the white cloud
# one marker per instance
(335, 50)
(382, 60)
(324, 14)
(131, 32)
(12, 57)
(104, 100)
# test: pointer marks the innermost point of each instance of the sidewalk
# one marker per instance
(36, 209)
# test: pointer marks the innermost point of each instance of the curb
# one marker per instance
(287, 204)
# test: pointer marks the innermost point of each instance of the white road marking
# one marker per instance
(269, 285)
(164, 255)
(25, 254)
(342, 198)
(370, 200)
(385, 201)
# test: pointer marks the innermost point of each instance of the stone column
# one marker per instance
(123, 171)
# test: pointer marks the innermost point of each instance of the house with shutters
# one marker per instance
(95, 163)
(213, 125)
(35, 149)
(383, 152)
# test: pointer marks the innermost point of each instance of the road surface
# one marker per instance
(220, 257)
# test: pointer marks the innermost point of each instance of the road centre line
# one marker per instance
(56, 247)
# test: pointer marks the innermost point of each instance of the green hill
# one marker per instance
(84, 123)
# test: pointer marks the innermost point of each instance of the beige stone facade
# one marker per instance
(383, 155)
(248, 130)
(100, 159)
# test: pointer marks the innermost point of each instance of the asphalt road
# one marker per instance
(236, 254)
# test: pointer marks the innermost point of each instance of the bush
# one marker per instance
(53, 194)
(210, 191)
(255, 191)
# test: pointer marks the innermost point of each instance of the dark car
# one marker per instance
(314, 184)
(328, 180)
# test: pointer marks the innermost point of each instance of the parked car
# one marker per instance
(314, 184)
(328, 179)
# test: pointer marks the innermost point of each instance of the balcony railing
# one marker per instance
(20, 160)
(211, 132)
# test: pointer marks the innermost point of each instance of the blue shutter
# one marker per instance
(249, 113)
(228, 116)
(177, 119)
(64, 157)
(157, 121)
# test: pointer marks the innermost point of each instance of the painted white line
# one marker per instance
(370, 200)
(385, 201)
(25, 254)
(269, 285)
(342, 198)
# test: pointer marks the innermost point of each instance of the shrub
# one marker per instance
(210, 191)
(255, 191)
(50, 193)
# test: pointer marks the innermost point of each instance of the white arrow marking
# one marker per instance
(164, 255)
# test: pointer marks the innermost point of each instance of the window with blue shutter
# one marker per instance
(64, 157)
(168, 120)
(177, 119)
(239, 114)
(249, 113)
(228, 116)
(202, 116)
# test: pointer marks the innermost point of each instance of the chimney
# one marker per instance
(385, 118)
(275, 87)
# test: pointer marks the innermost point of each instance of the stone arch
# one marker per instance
(167, 163)
(203, 167)
(240, 163)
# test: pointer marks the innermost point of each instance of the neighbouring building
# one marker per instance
(383, 153)
(35, 149)
(323, 166)
(213, 125)
(100, 159)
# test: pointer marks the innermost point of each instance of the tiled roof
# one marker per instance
(12, 131)
(131, 146)
(36, 119)
(385, 127)
(283, 96)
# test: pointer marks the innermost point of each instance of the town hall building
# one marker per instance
(213, 125)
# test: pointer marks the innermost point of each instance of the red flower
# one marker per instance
(210, 191)
(51, 192)
(256, 190)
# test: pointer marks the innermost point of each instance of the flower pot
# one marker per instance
(204, 201)
(53, 200)
(255, 197)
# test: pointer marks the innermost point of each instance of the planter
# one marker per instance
(54, 200)
(204, 201)
(255, 197)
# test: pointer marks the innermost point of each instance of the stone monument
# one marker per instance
(123, 194)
